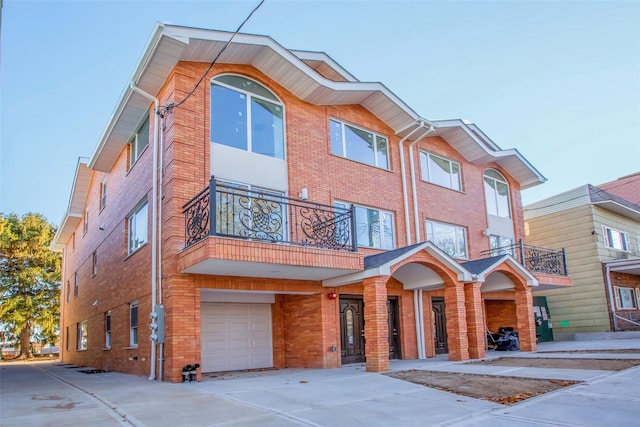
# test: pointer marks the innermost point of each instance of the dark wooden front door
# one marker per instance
(439, 326)
(352, 330)
(394, 328)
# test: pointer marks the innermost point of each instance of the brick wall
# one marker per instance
(626, 281)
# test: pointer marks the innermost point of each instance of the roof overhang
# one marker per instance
(627, 266)
(618, 208)
(477, 148)
(384, 268)
(170, 44)
(73, 216)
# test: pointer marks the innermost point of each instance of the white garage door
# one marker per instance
(236, 336)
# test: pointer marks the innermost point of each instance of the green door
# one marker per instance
(544, 327)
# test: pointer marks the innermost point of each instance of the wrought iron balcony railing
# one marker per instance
(248, 214)
(536, 259)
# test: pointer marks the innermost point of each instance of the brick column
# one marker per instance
(475, 320)
(524, 318)
(376, 329)
(456, 322)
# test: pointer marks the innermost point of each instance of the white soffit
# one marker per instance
(477, 148)
(170, 44)
(75, 210)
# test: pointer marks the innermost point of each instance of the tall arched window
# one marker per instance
(496, 193)
(247, 116)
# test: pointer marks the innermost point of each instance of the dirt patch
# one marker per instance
(498, 389)
(540, 362)
(618, 350)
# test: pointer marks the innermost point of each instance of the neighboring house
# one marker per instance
(340, 227)
(601, 234)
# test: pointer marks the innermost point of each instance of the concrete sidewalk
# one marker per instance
(40, 394)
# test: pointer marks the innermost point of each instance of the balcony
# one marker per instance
(536, 259)
(235, 231)
(267, 217)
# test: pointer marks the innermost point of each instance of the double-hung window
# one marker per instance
(133, 324)
(374, 227)
(452, 239)
(359, 144)
(83, 335)
(496, 193)
(139, 142)
(76, 284)
(615, 239)
(627, 298)
(138, 229)
(247, 116)
(85, 227)
(440, 171)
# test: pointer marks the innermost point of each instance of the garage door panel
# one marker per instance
(236, 336)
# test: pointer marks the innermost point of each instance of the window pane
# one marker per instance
(228, 117)
(490, 196)
(461, 243)
(424, 166)
(455, 176)
(143, 138)
(383, 155)
(439, 171)
(247, 85)
(359, 145)
(387, 236)
(134, 316)
(502, 195)
(138, 228)
(335, 129)
(363, 227)
(267, 135)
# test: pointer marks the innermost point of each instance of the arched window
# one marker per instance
(247, 116)
(496, 193)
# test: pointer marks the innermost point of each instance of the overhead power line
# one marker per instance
(176, 105)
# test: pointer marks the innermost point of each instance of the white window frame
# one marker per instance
(134, 326)
(457, 229)
(248, 96)
(138, 144)
(133, 243)
(382, 238)
(610, 240)
(631, 301)
(495, 196)
(82, 342)
(426, 173)
(375, 137)
(107, 329)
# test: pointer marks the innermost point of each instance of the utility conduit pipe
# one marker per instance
(154, 217)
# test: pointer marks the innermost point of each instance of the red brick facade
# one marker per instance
(306, 328)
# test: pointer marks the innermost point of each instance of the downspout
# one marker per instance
(405, 196)
(417, 294)
(611, 302)
(414, 193)
(63, 306)
(154, 218)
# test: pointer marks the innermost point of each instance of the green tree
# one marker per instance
(29, 280)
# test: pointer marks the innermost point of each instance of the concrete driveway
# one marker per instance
(47, 394)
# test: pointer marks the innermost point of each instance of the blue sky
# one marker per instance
(559, 81)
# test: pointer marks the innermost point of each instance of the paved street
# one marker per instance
(47, 394)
